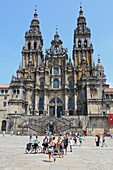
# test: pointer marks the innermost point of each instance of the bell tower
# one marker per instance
(82, 48)
(32, 51)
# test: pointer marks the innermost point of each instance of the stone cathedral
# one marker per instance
(55, 92)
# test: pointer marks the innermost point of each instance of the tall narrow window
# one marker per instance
(4, 104)
(35, 45)
(56, 83)
(42, 85)
(41, 103)
(51, 71)
(70, 84)
(79, 44)
(85, 43)
(70, 103)
(29, 45)
(56, 70)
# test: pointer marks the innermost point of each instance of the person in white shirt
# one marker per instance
(70, 143)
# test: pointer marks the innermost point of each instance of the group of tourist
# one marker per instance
(60, 145)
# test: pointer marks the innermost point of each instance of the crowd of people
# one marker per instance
(57, 145)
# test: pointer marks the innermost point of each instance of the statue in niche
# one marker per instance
(29, 74)
(83, 73)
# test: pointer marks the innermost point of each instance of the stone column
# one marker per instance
(36, 102)
(45, 101)
(56, 106)
(55, 110)
(75, 103)
(79, 58)
(66, 105)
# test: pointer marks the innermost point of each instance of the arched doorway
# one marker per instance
(55, 107)
(3, 128)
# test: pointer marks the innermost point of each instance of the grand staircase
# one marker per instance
(41, 124)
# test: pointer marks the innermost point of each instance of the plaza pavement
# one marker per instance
(85, 157)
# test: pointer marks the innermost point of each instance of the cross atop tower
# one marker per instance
(35, 8)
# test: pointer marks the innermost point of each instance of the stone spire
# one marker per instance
(99, 59)
(81, 11)
(81, 19)
(99, 65)
(35, 23)
(56, 36)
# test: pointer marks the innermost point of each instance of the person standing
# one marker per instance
(45, 144)
(80, 140)
(36, 143)
(75, 140)
(58, 146)
(103, 141)
(51, 149)
(96, 140)
(65, 143)
(30, 137)
(71, 143)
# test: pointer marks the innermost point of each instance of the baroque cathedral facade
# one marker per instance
(55, 85)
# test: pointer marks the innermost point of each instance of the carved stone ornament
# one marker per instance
(55, 62)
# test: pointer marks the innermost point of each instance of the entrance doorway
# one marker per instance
(56, 107)
(3, 128)
(59, 111)
(52, 110)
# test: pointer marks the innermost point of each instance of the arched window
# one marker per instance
(42, 85)
(52, 101)
(56, 70)
(79, 44)
(18, 91)
(29, 45)
(56, 83)
(59, 100)
(14, 91)
(41, 103)
(35, 45)
(85, 43)
(70, 84)
(70, 103)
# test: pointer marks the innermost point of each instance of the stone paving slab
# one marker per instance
(85, 157)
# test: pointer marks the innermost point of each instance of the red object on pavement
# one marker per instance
(110, 119)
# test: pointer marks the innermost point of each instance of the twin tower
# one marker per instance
(53, 85)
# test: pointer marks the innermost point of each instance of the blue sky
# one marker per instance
(16, 15)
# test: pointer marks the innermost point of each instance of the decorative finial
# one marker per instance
(56, 30)
(35, 8)
(98, 58)
(35, 14)
(81, 11)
